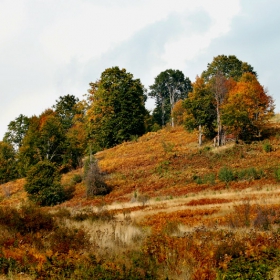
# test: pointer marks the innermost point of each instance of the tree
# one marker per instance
(170, 85)
(248, 107)
(94, 180)
(16, 131)
(8, 169)
(179, 112)
(220, 90)
(66, 108)
(228, 66)
(117, 110)
(43, 184)
(71, 113)
(200, 109)
(44, 140)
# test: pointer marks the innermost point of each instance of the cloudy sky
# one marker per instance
(50, 48)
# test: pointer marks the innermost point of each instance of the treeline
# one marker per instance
(227, 96)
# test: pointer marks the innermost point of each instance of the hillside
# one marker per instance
(191, 212)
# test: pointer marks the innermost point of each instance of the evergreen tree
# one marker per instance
(43, 184)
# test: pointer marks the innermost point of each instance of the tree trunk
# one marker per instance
(162, 112)
(219, 127)
(200, 135)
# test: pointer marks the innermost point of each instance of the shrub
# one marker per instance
(77, 178)
(277, 174)
(241, 215)
(249, 174)
(94, 180)
(143, 198)
(267, 147)
(245, 267)
(43, 184)
(27, 219)
(226, 174)
(262, 219)
(206, 179)
(234, 249)
(65, 239)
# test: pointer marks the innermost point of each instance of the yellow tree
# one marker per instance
(248, 107)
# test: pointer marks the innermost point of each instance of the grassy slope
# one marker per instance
(194, 211)
(163, 166)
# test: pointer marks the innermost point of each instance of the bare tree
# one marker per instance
(220, 91)
(94, 179)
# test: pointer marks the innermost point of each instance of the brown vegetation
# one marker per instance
(171, 213)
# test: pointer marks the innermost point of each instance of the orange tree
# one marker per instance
(247, 108)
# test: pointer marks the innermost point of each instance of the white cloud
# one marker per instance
(188, 46)
(56, 47)
(12, 19)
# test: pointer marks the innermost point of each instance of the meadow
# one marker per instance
(176, 211)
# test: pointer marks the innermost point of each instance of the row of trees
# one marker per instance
(227, 94)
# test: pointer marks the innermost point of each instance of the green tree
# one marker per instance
(200, 109)
(43, 184)
(66, 108)
(71, 113)
(8, 168)
(44, 140)
(228, 66)
(117, 111)
(169, 87)
(16, 131)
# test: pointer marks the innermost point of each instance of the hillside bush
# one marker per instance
(77, 178)
(267, 147)
(249, 174)
(65, 239)
(94, 179)
(226, 174)
(43, 184)
(277, 174)
(27, 219)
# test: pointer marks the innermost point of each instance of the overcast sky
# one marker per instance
(51, 48)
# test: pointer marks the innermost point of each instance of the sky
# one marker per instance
(53, 48)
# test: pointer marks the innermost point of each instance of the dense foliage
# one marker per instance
(117, 110)
(169, 87)
(228, 98)
(43, 184)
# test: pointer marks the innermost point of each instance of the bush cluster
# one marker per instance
(27, 219)
(227, 174)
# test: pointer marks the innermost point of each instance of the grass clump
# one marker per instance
(267, 147)
(226, 174)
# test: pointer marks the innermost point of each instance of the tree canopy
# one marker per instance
(200, 108)
(169, 87)
(43, 184)
(228, 66)
(248, 107)
(231, 88)
(16, 131)
(117, 110)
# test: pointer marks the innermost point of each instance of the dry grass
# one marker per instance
(165, 167)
